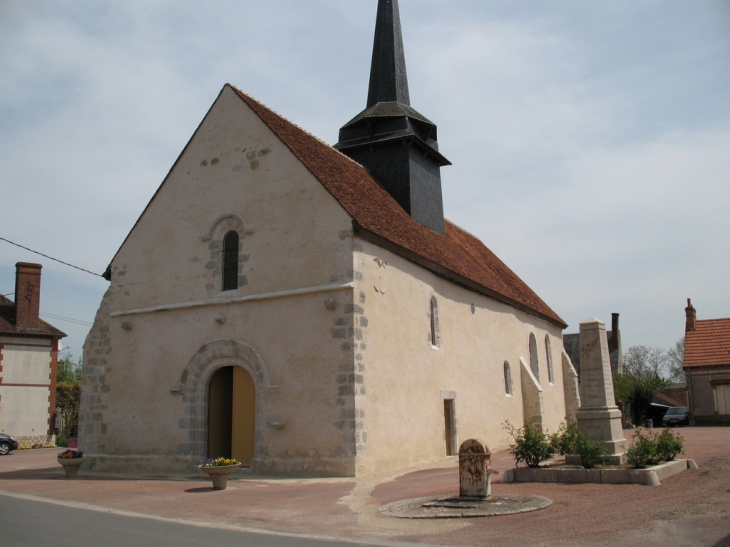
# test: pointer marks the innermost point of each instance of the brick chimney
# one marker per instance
(27, 295)
(614, 345)
(616, 334)
(691, 314)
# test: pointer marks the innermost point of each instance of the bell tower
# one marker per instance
(391, 139)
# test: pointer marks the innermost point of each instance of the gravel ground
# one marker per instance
(688, 509)
(691, 508)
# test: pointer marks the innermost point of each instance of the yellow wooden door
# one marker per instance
(244, 417)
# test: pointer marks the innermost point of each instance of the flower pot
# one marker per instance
(71, 466)
(219, 474)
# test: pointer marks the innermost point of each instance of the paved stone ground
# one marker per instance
(689, 509)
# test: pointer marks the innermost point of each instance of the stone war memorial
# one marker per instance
(598, 416)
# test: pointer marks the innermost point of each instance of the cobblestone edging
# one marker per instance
(650, 476)
(453, 508)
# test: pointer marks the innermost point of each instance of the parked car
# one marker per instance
(7, 444)
(676, 415)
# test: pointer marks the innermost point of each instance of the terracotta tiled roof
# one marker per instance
(7, 317)
(708, 344)
(458, 256)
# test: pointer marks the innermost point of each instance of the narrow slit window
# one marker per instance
(435, 328)
(549, 354)
(534, 364)
(507, 379)
(230, 261)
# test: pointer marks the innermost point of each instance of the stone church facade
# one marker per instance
(309, 314)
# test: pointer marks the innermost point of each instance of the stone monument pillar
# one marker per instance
(599, 417)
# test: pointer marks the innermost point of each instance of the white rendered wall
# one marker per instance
(165, 306)
(25, 387)
(406, 378)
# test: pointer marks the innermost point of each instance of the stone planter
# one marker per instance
(71, 466)
(219, 474)
(651, 476)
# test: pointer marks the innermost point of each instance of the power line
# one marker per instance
(50, 257)
(61, 318)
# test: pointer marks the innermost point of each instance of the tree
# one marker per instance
(643, 375)
(68, 394)
(675, 358)
(643, 363)
(68, 371)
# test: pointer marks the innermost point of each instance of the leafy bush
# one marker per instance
(652, 448)
(669, 445)
(591, 452)
(62, 439)
(531, 445)
(643, 452)
(571, 440)
(565, 440)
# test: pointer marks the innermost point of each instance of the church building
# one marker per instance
(306, 308)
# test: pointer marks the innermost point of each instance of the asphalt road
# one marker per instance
(37, 524)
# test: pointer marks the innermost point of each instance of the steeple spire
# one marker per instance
(388, 77)
(390, 138)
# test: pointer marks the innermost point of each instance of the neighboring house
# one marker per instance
(707, 367)
(613, 336)
(28, 361)
(672, 396)
(309, 314)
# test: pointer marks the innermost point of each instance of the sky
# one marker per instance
(590, 141)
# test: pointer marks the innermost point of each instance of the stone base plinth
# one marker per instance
(614, 459)
(604, 425)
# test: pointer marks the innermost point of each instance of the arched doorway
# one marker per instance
(232, 415)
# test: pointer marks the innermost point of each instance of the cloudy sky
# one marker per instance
(590, 141)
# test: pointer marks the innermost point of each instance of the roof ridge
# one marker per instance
(373, 209)
(462, 229)
(715, 319)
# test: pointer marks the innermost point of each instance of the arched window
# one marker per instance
(435, 335)
(549, 353)
(230, 261)
(534, 366)
(507, 379)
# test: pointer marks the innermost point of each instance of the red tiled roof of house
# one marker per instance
(457, 255)
(7, 328)
(708, 344)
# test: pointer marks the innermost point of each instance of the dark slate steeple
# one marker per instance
(391, 139)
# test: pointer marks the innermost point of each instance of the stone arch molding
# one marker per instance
(229, 221)
(193, 387)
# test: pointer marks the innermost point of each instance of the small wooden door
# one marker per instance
(450, 427)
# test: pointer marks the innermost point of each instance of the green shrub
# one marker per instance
(669, 445)
(591, 452)
(531, 445)
(643, 452)
(570, 440)
(61, 439)
(565, 440)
